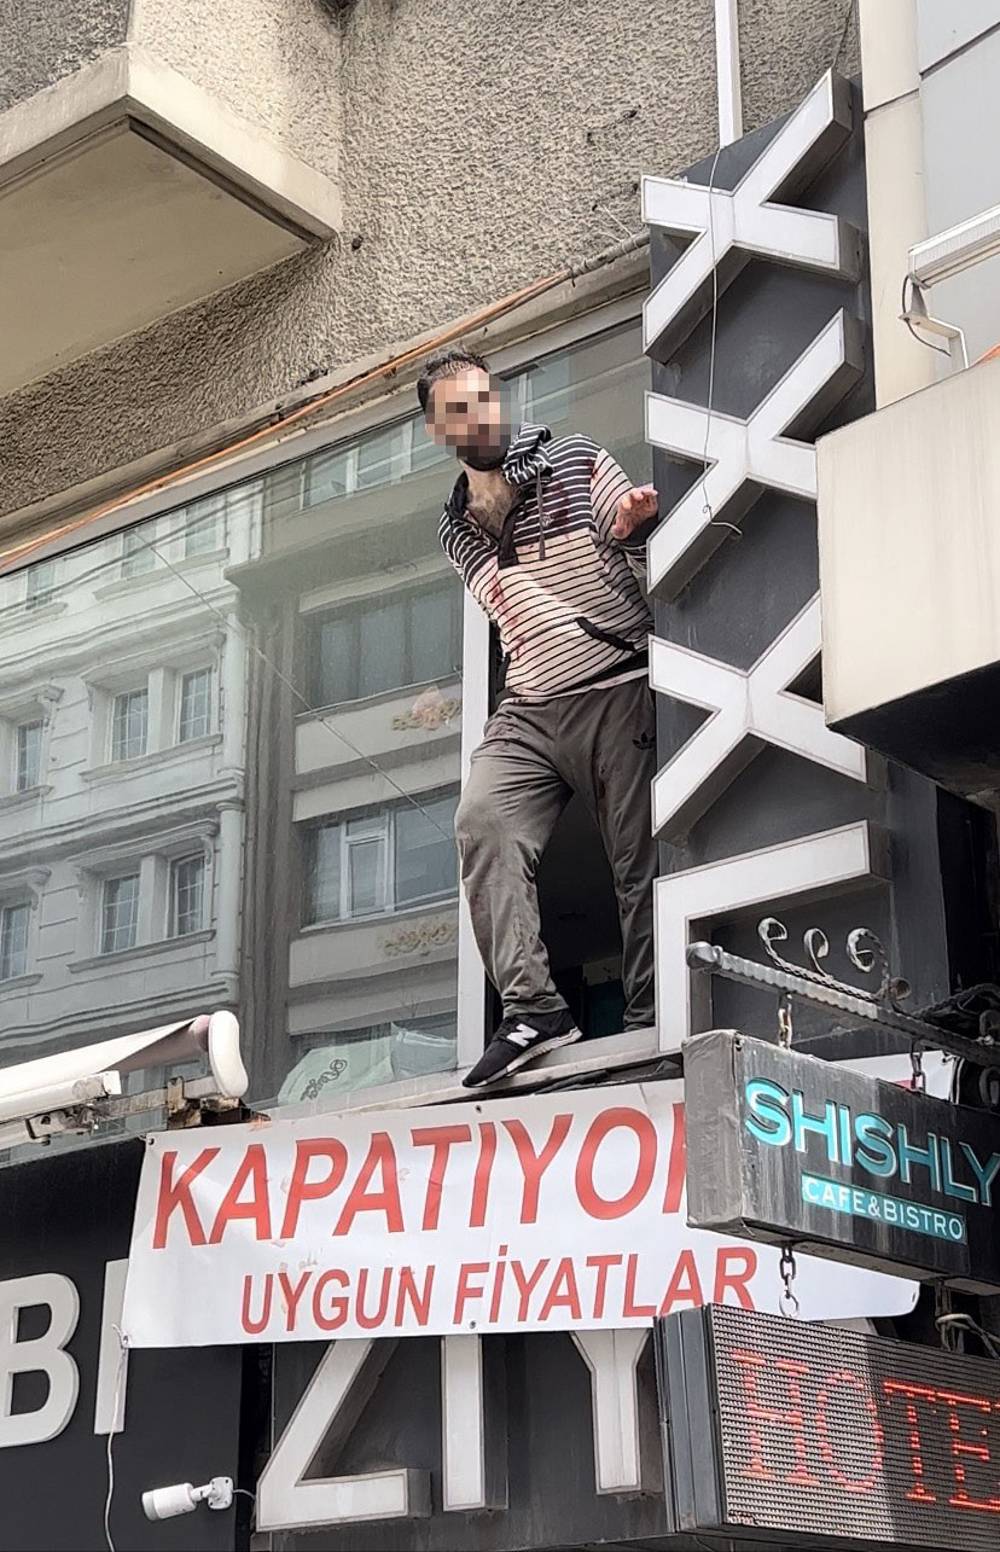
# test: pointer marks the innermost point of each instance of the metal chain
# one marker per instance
(919, 1083)
(787, 1270)
(786, 1028)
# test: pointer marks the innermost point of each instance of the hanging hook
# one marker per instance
(786, 1028)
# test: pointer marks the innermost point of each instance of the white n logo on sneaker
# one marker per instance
(522, 1035)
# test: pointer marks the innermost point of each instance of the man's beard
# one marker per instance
(484, 456)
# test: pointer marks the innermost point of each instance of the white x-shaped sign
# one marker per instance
(744, 455)
(748, 709)
(729, 226)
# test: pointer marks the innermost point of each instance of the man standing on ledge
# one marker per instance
(549, 536)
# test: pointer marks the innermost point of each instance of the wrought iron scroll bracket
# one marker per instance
(879, 1004)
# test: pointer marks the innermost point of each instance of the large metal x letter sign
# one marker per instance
(745, 455)
(748, 710)
(728, 227)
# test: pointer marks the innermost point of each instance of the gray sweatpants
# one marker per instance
(601, 745)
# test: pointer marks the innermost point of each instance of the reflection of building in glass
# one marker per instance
(358, 687)
(357, 918)
(122, 754)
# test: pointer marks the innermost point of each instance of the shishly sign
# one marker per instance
(787, 1148)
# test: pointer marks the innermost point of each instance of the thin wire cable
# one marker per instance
(960, 1322)
(706, 503)
(907, 281)
(119, 1380)
(607, 211)
(851, 7)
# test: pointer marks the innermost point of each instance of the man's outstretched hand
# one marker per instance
(636, 507)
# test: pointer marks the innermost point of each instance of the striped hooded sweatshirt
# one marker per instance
(565, 596)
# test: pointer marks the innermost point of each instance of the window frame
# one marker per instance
(312, 623)
(106, 884)
(6, 908)
(385, 831)
(147, 532)
(120, 695)
(19, 787)
(173, 913)
(217, 518)
(40, 598)
(182, 675)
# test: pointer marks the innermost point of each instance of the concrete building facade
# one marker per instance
(442, 157)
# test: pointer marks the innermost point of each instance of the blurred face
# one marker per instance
(468, 413)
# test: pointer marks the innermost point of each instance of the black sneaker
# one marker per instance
(518, 1041)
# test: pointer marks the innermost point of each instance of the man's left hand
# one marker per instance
(636, 507)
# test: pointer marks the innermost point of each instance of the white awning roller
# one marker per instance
(77, 1080)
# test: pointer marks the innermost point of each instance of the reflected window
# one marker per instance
(386, 644)
(342, 1062)
(383, 458)
(384, 861)
(14, 941)
(129, 725)
(119, 913)
(424, 852)
(187, 896)
(204, 527)
(41, 584)
(28, 756)
(325, 476)
(196, 705)
(137, 552)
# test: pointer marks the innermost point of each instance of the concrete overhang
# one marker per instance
(909, 540)
(128, 192)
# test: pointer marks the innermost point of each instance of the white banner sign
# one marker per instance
(549, 1213)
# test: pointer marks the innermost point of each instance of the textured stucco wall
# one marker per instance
(785, 46)
(478, 138)
(276, 64)
(43, 40)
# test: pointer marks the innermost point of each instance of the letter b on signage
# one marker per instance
(38, 1355)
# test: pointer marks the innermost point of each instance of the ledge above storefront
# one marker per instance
(910, 580)
(127, 191)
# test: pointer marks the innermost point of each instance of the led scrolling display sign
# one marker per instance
(787, 1148)
(804, 1434)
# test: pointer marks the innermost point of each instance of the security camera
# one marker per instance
(165, 1503)
(68, 1092)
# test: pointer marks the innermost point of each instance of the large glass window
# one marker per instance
(308, 620)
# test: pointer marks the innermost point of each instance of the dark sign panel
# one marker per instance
(805, 1435)
(66, 1223)
(786, 1147)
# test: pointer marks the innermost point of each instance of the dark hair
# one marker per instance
(447, 363)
